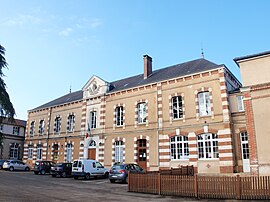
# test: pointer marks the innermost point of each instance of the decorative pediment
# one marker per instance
(94, 87)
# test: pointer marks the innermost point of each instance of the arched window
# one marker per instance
(179, 147)
(41, 127)
(207, 146)
(70, 123)
(57, 124)
(119, 115)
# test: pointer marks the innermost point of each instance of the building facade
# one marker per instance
(13, 131)
(185, 114)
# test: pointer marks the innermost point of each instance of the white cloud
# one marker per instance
(85, 23)
(22, 20)
(65, 32)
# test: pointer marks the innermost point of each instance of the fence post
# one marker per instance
(196, 186)
(129, 181)
(159, 184)
(238, 187)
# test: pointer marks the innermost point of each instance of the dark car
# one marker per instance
(119, 172)
(1, 163)
(43, 167)
(61, 169)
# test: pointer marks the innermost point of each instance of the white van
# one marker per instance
(88, 168)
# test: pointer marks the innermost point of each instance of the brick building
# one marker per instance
(192, 113)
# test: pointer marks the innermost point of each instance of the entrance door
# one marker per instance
(92, 153)
(142, 153)
(245, 151)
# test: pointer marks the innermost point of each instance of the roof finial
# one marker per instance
(70, 88)
(202, 53)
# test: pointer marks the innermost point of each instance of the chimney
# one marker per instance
(147, 66)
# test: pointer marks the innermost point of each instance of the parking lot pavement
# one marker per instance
(25, 186)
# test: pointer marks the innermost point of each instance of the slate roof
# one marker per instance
(251, 56)
(15, 122)
(175, 71)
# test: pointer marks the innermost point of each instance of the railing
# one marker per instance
(226, 187)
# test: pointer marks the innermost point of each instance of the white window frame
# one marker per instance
(93, 120)
(179, 147)
(16, 130)
(57, 124)
(69, 153)
(119, 151)
(177, 107)
(30, 152)
(71, 123)
(41, 127)
(245, 145)
(32, 129)
(14, 149)
(207, 146)
(141, 107)
(119, 113)
(39, 153)
(204, 103)
(240, 103)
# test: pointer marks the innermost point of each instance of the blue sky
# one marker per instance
(52, 44)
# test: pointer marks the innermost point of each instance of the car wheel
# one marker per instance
(53, 175)
(1, 167)
(75, 177)
(27, 169)
(36, 172)
(126, 180)
(106, 175)
(112, 181)
(63, 174)
(87, 176)
(42, 172)
(11, 168)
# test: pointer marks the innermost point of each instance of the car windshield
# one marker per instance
(37, 163)
(59, 165)
(118, 167)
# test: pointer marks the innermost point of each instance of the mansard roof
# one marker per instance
(175, 71)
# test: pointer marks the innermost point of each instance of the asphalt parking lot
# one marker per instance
(25, 186)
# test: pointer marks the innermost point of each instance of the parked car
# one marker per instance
(15, 165)
(61, 169)
(88, 168)
(119, 172)
(1, 163)
(43, 167)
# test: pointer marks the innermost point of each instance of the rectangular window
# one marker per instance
(41, 127)
(69, 153)
(179, 147)
(141, 112)
(32, 129)
(30, 153)
(16, 130)
(57, 124)
(119, 147)
(240, 103)
(245, 147)
(119, 116)
(70, 123)
(204, 104)
(177, 107)
(93, 119)
(207, 146)
(39, 153)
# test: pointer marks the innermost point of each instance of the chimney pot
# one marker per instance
(147, 66)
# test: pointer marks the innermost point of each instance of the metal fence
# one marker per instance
(217, 187)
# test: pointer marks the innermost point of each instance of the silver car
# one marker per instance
(15, 165)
